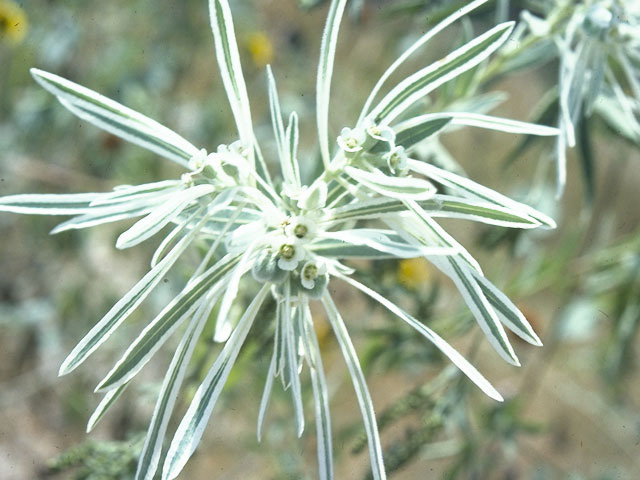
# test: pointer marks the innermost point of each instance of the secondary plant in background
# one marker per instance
(292, 235)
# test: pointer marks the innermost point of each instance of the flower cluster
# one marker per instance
(598, 44)
(372, 200)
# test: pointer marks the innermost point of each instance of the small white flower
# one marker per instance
(187, 180)
(199, 160)
(397, 160)
(290, 253)
(351, 140)
(302, 228)
(381, 134)
(310, 272)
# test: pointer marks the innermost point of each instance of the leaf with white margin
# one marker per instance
(410, 132)
(416, 86)
(325, 72)
(161, 216)
(166, 322)
(471, 189)
(230, 68)
(415, 46)
(508, 313)
(150, 455)
(360, 386)
(195, 420)
(479, 305)
(446, 206)
(107, 401)
(394, 187)
(387, 241)
(451, 353)
(116, 118)
(320, 397)
(49, 203)
(125, 306)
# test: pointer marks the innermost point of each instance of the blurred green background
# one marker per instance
(572, 409)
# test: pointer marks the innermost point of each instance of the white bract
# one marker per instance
(371, 201)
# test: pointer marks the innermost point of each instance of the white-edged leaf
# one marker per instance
(278, 127)
(49, 203)
(107, 401)
(116, 118)
(508, 313)
(266, 395)
(415, 46)
(292, 137)
(291, 364)
(387, 241)
(195, 420)
(360, 386)
(394, 187)
(166, 322)
(325, 72)
(127, 304)
(161, 216)
(424, 230)
(334, 248)
(445, 206)
(320, 398)
(480, 307)
(409, 132)
(150, 454)
(223, 323)
(230, 68)
(416, 86)
(451, 353)
(101, 215)
(469, 188)
(127, 193)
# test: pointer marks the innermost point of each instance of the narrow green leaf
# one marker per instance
(360, 386)
(445, 206)
(161, 216)
(410, 134)
(480, 307)
(123, 308)
(471, 189)
(459, 13)
(325, 72)
(416, 86)
(394, 187)
(161, 327)
(459, 361)
(107, 401)
(195, 420)
(387, 241)
(150, 455)
(508, 313)
(421, 228)
(230, 68)
(116, 118)
(48, 203)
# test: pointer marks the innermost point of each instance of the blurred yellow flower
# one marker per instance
(413, 272)
(260, 49)
(13, 22)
